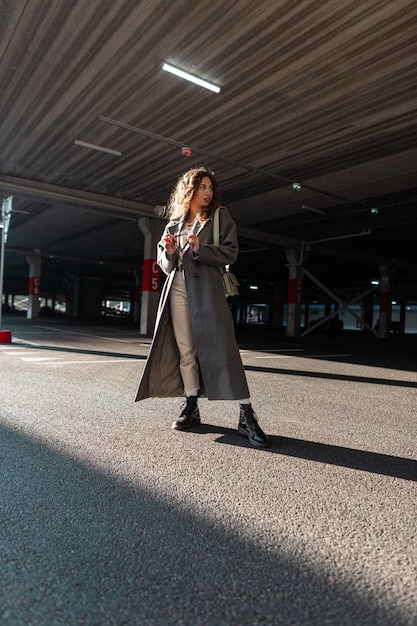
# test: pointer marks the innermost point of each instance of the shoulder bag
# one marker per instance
(230, 282)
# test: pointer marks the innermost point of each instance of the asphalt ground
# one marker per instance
(109, 517)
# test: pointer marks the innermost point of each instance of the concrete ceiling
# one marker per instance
(323, 94)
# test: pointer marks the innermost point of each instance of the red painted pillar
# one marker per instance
(151, 276)
(34, 286)
(152, 229)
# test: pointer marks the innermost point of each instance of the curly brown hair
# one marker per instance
(180, 199)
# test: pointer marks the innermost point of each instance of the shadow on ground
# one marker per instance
(82, 547)
(363, 460)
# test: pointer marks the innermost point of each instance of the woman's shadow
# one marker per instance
(363, 460)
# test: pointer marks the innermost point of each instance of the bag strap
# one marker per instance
(216, 228)
(216, 234)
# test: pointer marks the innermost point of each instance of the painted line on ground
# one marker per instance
(274, 356)
(95, 361)
(284, 350)
(27, 343)
(73, 332)
(15, 345)
(34, 359)
(325, 356)
(18, 353)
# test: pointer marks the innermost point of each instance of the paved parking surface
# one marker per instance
(110, 517)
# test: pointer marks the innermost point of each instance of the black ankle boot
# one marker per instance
(249, 427)
(190, 415)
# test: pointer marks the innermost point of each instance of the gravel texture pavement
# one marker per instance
(109, 517)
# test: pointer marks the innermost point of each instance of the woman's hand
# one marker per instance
(170, 243)
(194, 242)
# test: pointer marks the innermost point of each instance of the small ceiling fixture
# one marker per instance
(190, 77)
(310, 208)
(94, 146)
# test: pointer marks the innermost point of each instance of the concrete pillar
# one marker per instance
(368, 310)
(403, 307)
(137, 297)
(277, 306)
(306, 314)
(90, 297)
(152, 229)
(384, 327)
(295, 291)
(73, 296)
(34, 286)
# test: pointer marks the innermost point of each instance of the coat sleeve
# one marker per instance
(227, 250)
(166, 261)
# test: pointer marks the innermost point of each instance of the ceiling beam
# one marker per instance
(27, 187)
(73, 259)
(105, 204)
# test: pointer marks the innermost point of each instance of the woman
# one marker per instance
(194, 350)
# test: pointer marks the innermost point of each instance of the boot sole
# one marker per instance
(196, 422)
(252, 442)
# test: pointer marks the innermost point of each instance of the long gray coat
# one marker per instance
(221, 369)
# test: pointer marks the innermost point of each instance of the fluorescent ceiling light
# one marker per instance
(193, 79)
(93, 146)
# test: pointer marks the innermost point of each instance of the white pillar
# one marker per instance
(5, 215)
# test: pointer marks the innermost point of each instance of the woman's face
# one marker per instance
(203, 195)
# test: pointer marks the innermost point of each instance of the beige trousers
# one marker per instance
(181, 323)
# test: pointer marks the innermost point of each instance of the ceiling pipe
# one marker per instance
(363, 233)
(310, 208)
(94, 146)
(211, 155)
(257, 235)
